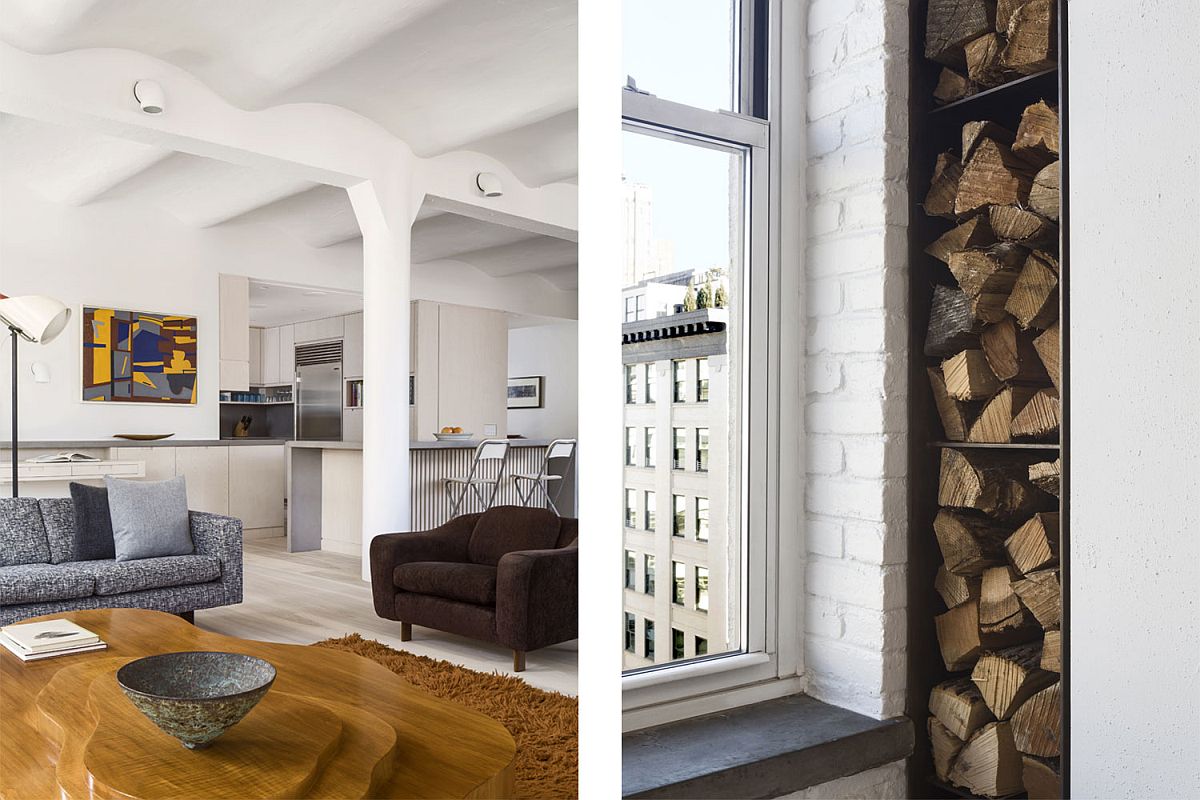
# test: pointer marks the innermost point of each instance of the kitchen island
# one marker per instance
(325, 488)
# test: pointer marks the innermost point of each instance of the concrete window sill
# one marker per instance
(763, 750)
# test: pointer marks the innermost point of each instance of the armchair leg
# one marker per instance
(518, 660)
(406, 631)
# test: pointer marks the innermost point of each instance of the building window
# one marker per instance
(630, 309)
(701, 449)
(630, 436)
(702, 380)
(630, 570)
(650, 509)
(630, 632)
(631, 515)
(651, 384)
(678, 447)
(702, 588)
(678, 515)
(701, 644)
(648, 644)
(676, 644)
(678, 582)
(648, 576)
(679, 391)
(702, 519)
(641, 306)
(650, 459)
(631, 384)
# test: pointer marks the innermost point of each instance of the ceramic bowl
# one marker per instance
(453, 437)
(196, 696)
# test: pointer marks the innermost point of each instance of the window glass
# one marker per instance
(649, 639)
(701, 380)
(630, 632)
(702, 519)
(702, 449)
(651, 384)
(679, 390)
(631, 515)
(630, 570)
(676, 643)
(631, 387)
(678, 583)
(648, 578)
(683, 50)
(630, 434)
(678, 447)
(650, 509)
(630, 309)
(650, 460)
(701, 646)
(678, 514)
(702, 588)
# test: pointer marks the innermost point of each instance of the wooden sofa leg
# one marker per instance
(406, 631)
(518, 660)
(188, 616)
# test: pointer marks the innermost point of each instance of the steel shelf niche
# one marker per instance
(932, 130)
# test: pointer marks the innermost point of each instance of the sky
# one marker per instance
(680, 50)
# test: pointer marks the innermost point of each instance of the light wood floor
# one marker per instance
(303, 598)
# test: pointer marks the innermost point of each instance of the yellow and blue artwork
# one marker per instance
(138, 357)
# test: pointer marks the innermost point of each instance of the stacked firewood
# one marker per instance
(984, 43)
(995, 726)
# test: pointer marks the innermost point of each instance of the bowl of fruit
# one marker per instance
(451, 433)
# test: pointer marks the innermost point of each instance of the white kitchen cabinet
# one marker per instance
(234, 295)
(352, 346)
(256, 370)
(319, 330)
(287, 353)
(206, 471)
(159, 461)
(270, 356)
(257, 485)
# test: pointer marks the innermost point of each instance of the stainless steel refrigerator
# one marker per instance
(319, 401)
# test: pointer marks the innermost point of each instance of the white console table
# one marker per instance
(73, 470)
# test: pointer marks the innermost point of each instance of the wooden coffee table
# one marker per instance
(334, 725)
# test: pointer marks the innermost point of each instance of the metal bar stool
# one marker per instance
(475, 481)
(528, 486)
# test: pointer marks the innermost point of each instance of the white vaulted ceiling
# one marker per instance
(493, 76)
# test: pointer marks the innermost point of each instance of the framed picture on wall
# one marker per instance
(138, 357)
(525, 392)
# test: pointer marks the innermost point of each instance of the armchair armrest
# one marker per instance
(447, 542)
(220, 536)
(537, 597)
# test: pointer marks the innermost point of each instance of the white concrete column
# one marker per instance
(387, 256)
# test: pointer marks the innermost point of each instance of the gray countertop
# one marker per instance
(455, 445)
(96, 443)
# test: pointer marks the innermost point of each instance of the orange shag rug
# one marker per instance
(544, 724)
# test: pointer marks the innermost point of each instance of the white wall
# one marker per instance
(134, 257)
(855, 382)
(1134, 382)
(552, 351)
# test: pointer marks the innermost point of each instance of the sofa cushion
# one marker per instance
(117, 577)
(504, 529)
(22, 534)
(93, 535)
(468, 583)
(40, 583)
(149, 518)
(58, 515)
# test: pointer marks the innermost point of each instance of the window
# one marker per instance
(678, 582)
(651, 384)
(701, 380)
(679, 391)
(678, 447)
(630, 632)
(630, 309)
(648, 644)
(630, 435)
(678, 515)
(641, 306)
(687, 57)
(650, 508)
(650, 459)
(702, 588)
(631, 387)
(676, 644)
(701, 449)
(631, 515)
(630, 570)
(701, 644)
(702, 519)
(648, 576)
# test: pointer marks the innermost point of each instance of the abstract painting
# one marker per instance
(138, 357)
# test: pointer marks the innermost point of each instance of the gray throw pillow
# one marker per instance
(149, 518)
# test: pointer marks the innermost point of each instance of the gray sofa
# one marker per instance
(39, 576)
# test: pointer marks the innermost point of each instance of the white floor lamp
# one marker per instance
(35, 318)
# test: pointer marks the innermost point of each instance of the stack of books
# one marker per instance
(32, 641)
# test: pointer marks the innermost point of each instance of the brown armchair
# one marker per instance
(509, 575)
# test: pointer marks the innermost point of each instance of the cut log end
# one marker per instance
(989, 764)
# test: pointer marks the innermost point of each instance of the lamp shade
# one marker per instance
(36, 317)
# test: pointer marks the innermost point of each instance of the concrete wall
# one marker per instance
(1134, 356)
(855, 404)
(882, 783)
(551, 351)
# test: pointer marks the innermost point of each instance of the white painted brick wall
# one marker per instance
(856, 351)
(882, 783)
